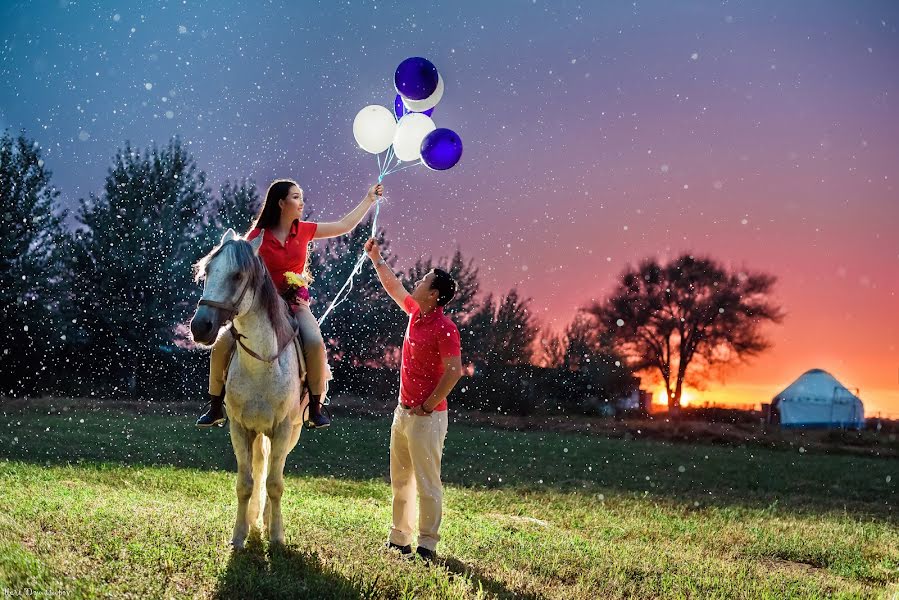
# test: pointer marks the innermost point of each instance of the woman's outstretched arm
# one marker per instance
(349, 222)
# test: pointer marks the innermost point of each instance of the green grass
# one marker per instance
(126, 505)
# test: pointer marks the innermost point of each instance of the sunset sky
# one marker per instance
(762, 133)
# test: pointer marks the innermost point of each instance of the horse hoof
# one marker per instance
(237, 544)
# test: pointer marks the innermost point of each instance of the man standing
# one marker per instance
(431, 366)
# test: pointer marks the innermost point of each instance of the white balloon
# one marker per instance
(410, 132)
(374, 128)
(429, 102)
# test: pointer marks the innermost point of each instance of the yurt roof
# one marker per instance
(819, 385)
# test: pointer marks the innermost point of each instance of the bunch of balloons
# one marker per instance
(408, 134)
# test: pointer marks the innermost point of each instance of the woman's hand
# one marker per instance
(374, 192)
(373, 249)
(349, 222)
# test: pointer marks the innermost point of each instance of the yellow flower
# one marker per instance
(296, 279)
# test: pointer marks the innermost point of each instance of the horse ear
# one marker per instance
(256, 243)
(229, 235)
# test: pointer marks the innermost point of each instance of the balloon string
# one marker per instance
(357, 268)
(388, 166)
(397, 169)
(387, 158)
(384, 170)
(347, 286)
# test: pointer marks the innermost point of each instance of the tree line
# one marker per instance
(100, 309)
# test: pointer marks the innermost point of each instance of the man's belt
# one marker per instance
(404, 407)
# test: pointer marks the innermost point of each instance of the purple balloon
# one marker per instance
(441, 149)
(400, 110)
(415, 78)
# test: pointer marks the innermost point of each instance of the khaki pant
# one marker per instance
(317, 371)
(416, 449)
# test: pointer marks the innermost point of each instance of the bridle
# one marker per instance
(229, 308)
(231, 311)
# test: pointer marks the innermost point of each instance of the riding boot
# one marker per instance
(216, 413)
(317, 418)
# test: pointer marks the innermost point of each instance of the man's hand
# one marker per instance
(373, 249)
(418, 411)
(386, 276)
(374, 192)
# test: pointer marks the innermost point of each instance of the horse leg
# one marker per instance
(283, 441)
(267, 516)
(261, 447)
(242, 442)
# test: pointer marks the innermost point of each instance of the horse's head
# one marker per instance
(232, 274)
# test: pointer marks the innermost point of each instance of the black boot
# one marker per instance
(317, 418)
(216, 413)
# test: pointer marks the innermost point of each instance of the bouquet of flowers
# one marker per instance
(297, 287)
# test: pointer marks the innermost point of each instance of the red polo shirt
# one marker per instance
(290, 256)
(429, 339)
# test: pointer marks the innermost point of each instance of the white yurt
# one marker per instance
(817, 399)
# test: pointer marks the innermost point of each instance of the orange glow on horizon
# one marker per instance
(688, 396)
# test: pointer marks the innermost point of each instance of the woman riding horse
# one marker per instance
(284, 249)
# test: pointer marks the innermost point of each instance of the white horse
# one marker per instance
(265, 392)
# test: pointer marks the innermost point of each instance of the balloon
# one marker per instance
(429, 102)
(400, 110)
(374, 128)
(410, 132)
(415, 78)
(441, 149)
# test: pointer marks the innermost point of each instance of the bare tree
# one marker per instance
(552, 347)
(687, 320)
(582, 342)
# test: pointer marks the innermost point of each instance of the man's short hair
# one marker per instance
(445, 286)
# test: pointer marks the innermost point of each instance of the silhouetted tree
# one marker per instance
(581, 342)
(237, 205)
(132, 256)
(687, 319)
(32, 277)
(501, 332)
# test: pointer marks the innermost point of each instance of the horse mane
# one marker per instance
(240, 257)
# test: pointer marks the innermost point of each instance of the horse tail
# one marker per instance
(262, 447)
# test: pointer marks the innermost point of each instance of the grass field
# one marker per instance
(103, 502)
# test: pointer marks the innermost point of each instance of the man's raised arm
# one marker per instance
(391, 284)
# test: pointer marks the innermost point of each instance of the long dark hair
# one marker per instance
(270, 214)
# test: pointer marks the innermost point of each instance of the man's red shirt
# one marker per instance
(429, 339)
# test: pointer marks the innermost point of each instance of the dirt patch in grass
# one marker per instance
(790, 566)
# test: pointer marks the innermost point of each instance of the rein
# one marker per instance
(237, 337)
(231, 311)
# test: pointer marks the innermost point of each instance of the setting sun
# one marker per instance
(688, 397)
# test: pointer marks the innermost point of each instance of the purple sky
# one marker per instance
(765, 134)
